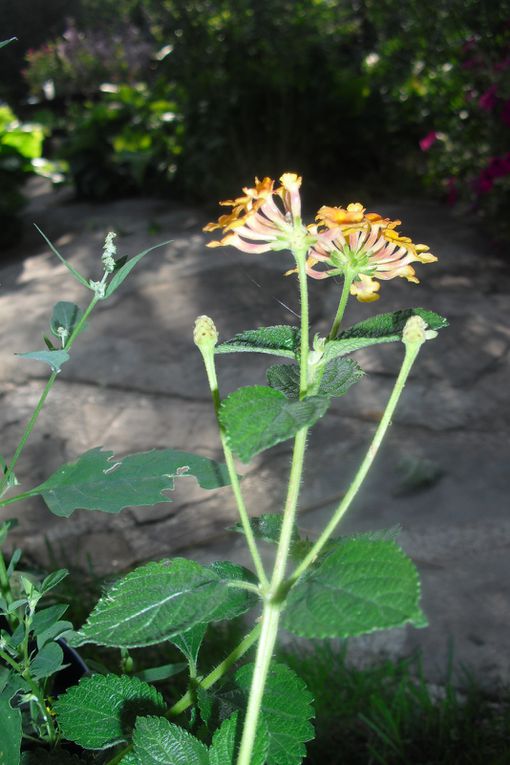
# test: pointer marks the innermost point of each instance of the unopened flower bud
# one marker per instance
(109, 252)
(205, 333)
(98, 287)
(415, 331)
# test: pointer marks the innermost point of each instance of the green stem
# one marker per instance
(333, 332)
(268, 635)
(47, 388)
(5, 589)
(410, 356)
(208, 357)
(36, 692)
(207, 682)
(273, 605)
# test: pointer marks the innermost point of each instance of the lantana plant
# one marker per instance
(257, 712)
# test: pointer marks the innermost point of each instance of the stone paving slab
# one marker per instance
(136, 382)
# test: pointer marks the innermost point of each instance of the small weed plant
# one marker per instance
(241, 711)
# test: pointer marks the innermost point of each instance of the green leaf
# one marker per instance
(55, 359)
(71, 268)
(93, 482)
(286, 708)
(11, 481)
(55, 757)
(47, 661)
(226, 741)
(53, 580)
(339, 374)
(46, 618)
(101, 710)
(361, 586)
(189, 642)
(65, 315)
(257, 417)
(10, 733)
(384, 328)
(124, 271)
(6, 42)
(159, 742)
(267, 527)
(158, 601)
(281, 340)
(163, 672)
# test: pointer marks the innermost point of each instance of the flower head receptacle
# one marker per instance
(265, 219)
(205, 334)
(364, 248)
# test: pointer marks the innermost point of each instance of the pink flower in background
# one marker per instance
(489, 99)
(428, 140)
(498, 167)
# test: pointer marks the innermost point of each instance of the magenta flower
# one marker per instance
(428, 140)
(489, 99)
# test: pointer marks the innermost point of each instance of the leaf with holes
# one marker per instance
(362, 585)
(257, 417)
(280, 340)
(160, 600)
(101, 710)
(384, 328)
(94, 482)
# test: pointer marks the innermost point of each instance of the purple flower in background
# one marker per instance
(505, 113)
(489, 99)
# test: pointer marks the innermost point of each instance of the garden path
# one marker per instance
(135, 381)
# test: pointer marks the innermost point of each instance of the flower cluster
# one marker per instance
(349, 242)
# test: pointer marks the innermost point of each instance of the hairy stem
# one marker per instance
(231, 468)
(410, 356)
(272, 607)
(207, 682)
(333, 332)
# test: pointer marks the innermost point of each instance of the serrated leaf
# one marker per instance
(158, 601)
(55, 359)
(226, 741)
(10, 733)
(65, 315)
(159, 742)
(280, 340)
(101, 710)
(339, 374)
(384, 328)
(286, 709)
(361, 586)
(256, 418)
(47, 661)
(94, 482)
(121, 273)
(71, 268)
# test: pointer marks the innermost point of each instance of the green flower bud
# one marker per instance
(205, 334)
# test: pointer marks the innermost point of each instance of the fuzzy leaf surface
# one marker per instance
(160, 600)
(65, 315)
(280, 340)
(101, 710)
(258, 417)
(54, 359)
(226, 741)
(159, 742)
(286, 709)
(361, 586)
(384, 328)
(94, 482)
(10, 733)
(189, 642)
(339, 374)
